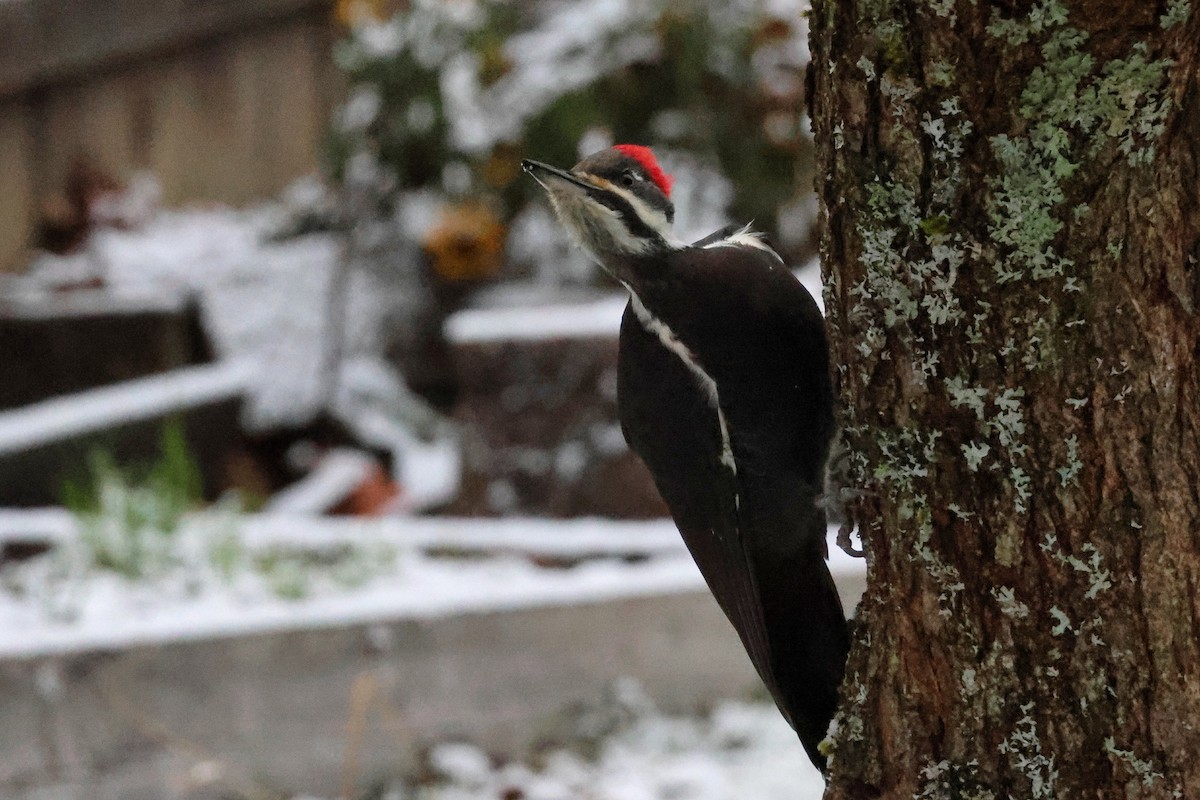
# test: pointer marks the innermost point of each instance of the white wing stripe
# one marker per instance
(672, 342)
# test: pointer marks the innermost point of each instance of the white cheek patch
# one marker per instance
(592, 225)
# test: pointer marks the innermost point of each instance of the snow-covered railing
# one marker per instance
(600, 318)
(428, 571)
(24, 300)
(540, 537)
(535, 536)
(110, 406)
(331, 482)
(439, 567)
(36, 525)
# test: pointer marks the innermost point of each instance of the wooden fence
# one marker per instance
(223, 100)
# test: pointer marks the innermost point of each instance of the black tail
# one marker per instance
(806, 627)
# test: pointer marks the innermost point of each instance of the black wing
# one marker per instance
(674, 429)
(756, 533)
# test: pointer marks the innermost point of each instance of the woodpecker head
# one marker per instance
(616, 204)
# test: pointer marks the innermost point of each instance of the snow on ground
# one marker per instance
(740, 750)
(628, 749)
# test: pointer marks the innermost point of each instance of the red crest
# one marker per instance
(645, 157)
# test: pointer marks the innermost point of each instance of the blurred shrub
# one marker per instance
(447, 96)
(129, 516)
(139, 523)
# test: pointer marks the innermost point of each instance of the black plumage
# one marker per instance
(755, 530)
(724, 391)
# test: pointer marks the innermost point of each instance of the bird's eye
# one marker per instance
(628, 178)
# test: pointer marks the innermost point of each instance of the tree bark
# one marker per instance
(1011, 199)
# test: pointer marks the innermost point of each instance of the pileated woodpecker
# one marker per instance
(724, 392)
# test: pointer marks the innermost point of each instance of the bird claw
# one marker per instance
(837, 496)
(843, 541)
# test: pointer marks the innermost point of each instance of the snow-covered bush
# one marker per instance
(140, 532)
(128, 517)
(447, 98)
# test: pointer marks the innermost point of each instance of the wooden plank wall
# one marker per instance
(223, 101)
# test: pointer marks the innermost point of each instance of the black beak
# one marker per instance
(536, 168)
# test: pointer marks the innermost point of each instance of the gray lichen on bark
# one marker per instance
(1011, 199)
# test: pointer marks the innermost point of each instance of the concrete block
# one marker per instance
(287, 710)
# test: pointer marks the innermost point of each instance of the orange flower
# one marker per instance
(353, 12)
(467, 243)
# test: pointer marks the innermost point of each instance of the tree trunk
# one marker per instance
(1011, 198)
